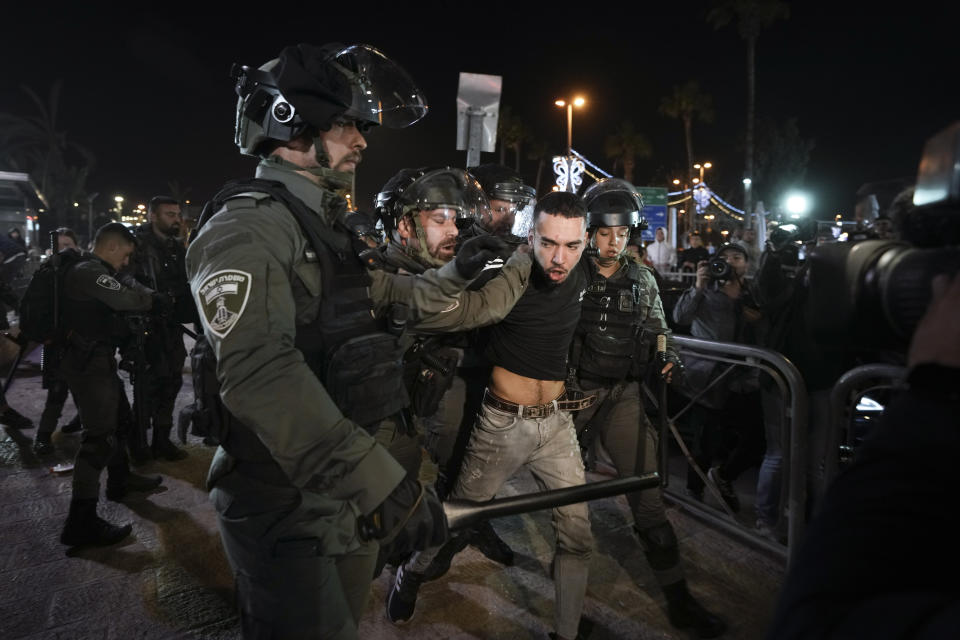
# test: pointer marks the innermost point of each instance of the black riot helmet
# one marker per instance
(613, 202)
(451, 190)
(500, 182)
(310, 88)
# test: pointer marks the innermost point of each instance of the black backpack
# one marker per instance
(39, 306)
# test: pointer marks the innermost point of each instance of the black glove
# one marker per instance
(477, 252)
(163, 304)
(411, 518)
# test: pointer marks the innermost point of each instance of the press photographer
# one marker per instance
(720, 307)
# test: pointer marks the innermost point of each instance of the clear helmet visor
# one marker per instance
(451, 192)
(523, 221)
(381, 90)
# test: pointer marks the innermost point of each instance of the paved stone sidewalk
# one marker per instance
(170, 579)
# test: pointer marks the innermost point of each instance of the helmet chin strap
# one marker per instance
(604, 262)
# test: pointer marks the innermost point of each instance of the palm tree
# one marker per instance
(512, 134)
(624, 145)
(687, 104)
(34, 144)
(752, 16)
(538, 150)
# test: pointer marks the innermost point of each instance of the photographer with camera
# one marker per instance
(719, 307)
(846, 582)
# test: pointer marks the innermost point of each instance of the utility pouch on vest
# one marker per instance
(434, 370)
(607, 356)
(364, 376)
(208, 416)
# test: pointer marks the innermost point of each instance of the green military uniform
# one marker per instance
(614, 309)
(289, 525)
(92, 297)
(475, 308)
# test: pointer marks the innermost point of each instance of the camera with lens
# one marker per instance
(872, 294)
(719, 269)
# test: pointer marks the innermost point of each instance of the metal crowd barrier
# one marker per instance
(851, 386)
(793, 390)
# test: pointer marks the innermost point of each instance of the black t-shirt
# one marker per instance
(533, 339)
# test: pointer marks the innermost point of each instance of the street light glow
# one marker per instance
(797, 204)
(696, 180)
(118, 198)
(579, 101)
(696, 166)
(707, 165)
(676, 181)
(747, 182)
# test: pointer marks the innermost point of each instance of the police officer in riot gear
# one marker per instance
(422, 212)
(307, 371)
(613, 347)
(159, 264)
(93, 297)
(507, 195)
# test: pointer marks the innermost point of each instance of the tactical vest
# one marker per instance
(346, 346)
(90, 320)
(607, 342)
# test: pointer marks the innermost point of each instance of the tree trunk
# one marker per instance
(628, 165)
(751, 98)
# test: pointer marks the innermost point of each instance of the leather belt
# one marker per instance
(561, 403)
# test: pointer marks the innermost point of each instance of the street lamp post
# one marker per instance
(570, 104)
(569, 168)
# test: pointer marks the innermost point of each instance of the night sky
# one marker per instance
(148, 91)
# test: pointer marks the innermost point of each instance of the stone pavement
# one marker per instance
(170, 578)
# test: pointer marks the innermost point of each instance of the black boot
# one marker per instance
(486, 540)
(121, 481)
(85, 528)
(162, 447)
(685, 612)
(42, 446)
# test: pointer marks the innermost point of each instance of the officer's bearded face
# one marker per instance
(439, 229)
(343, 144)
(502, 214)
(167, 219)
(558, 242)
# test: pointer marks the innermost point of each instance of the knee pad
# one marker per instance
(660, 545)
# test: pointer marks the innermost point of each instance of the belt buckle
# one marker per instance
(535, 411)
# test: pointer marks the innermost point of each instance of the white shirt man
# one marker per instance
(661, 253)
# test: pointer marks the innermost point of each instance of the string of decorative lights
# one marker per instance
(595, 167)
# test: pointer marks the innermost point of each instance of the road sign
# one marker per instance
(654, 210)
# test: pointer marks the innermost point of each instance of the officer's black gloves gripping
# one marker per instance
(411, 518)
(163, 304)
(477, 252)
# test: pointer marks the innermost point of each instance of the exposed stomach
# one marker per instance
(523, 390)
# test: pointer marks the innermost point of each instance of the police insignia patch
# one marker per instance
(107, 282)
(222, 298)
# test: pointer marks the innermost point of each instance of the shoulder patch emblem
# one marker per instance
(107, 282)
(222, 298)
